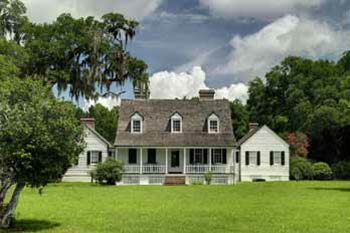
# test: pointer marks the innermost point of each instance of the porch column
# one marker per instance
(209, 159)
(184, 160)
(166, 160)
(116, 153)
(141, 161)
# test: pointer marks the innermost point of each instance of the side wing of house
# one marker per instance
(96, 151)
(264, 155)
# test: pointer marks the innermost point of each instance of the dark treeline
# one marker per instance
(309, 96)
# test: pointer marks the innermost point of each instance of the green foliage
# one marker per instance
(321, 171)
(341, 170)
(208, 176)
(240, 118)
(109, 172)
(39, 135)
(295, 98)
(7, 68)
(300, 168)
(106, 121)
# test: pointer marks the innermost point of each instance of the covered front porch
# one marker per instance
(142, 160)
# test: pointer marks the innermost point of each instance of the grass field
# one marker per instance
(247, 207)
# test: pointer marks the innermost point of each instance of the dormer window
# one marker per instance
(176, 123)
(213, 123)
(136, 123)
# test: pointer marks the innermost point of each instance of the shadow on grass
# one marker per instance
(332, 189)
(31, 225)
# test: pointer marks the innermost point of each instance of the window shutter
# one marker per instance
(100, 156)
(237, 156)
(271, 158)
(191, 156)
(247, 158)
(282, 158)
(224, 157)
(88, 157)
(205, 156)
(258, 159)
(212, 156)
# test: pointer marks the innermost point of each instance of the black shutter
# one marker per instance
(224, 157)
(258, 159)
(88, 158)
(191, 156)
(205, 156)
(152, 156)
(282, 158)
(100, 156)
(237, 156)
(271, 158)
(247, 158)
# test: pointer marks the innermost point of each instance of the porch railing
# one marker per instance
(130, 169)
(197, 169)
(153, 169)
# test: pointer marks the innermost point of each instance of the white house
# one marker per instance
(97, 150)
(263, 155)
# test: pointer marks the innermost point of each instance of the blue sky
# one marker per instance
(221, 44)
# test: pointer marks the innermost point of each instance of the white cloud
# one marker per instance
(170, 85)
(255, 54)
(108, 102)
(48, 10)
(261, 9)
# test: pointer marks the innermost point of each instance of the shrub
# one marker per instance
(208, 177)
(108, 172)
(321, 171)
(341, 170)
(300, 168)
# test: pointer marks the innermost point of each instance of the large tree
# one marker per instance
(76, 54)
(40, 138)
(240, 118)
(311, 96)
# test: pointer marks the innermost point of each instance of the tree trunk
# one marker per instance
(3, 190)
(7, 218)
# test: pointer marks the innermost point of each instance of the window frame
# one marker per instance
(176, 117)
(213, 118)
(96, 159)
(218, 156)
(136, 118)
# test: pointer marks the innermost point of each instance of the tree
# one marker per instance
(240, 118)
(76, 54)
(106, 121)
(39, 140)
(299, 143)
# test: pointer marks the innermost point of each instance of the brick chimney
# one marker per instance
(141, 92)
(253, 126)
(88, 121)
(207, 94)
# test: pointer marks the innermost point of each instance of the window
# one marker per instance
(136, 123)
(94, 157)
(213, 123)
(277, 158)
(198, 156)
(176, 126)
(132, 156)
(219, 156)
(176, 123)
(252, 158)
(151, 157)
(136, 126)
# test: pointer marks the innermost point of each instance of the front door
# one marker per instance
(175, 162)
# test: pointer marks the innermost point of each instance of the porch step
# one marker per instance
(175, 180)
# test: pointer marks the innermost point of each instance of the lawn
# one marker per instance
(247, 207)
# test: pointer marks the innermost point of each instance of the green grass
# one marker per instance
(247, 207)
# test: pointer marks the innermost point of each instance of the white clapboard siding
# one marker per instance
(264, 140)
(80, 172)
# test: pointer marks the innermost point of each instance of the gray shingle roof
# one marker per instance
(156, 123)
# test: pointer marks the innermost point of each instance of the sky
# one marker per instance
(220, 44)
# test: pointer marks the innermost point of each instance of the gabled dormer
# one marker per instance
(176, 123)
(213, 123)
(136, 123)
